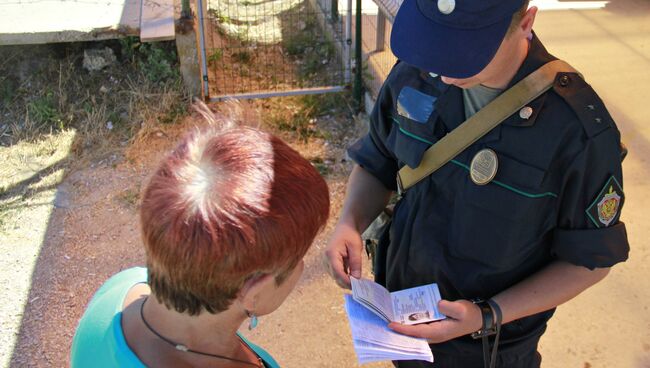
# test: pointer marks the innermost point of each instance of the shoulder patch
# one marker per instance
(584, 101)
(606, 207)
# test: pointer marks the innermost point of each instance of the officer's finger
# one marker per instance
(354, 260)
(424, 330)
(454, 310)
(331, 271)
(336, 261)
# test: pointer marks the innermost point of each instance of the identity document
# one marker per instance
(371, 307)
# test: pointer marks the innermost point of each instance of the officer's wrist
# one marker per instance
(490, 318)
(477, 319)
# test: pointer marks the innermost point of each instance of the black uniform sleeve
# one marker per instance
(589, 232)
(370, 152)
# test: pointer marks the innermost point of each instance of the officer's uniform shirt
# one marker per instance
(556, 168)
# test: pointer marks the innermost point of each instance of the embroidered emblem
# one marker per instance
(607, 205)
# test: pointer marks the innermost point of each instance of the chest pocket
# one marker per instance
(412, 131)
(502, 223)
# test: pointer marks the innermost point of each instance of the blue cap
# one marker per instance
(456, 39)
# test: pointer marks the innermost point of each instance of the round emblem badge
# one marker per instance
(446, 6)
(483, 167)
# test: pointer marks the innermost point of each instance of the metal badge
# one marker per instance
(526, 112)
(446, 6)
(483, 167)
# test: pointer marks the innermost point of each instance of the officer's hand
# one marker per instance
(343, 255)
(463, 317)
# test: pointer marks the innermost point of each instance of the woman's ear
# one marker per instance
(252, 289)
(527, 21)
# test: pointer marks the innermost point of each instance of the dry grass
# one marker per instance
(44, 90)
(56, 117)
(30, 169)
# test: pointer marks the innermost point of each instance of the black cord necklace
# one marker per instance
(184, 348)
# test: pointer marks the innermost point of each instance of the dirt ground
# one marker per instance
(93, 233)
(90, 228)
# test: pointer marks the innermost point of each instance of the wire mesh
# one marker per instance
(273, 45)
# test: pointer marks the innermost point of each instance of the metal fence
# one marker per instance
(261, 48)
(377, 22)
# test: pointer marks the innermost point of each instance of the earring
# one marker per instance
(253, 322)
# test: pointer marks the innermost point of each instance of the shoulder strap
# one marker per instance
(482, 122)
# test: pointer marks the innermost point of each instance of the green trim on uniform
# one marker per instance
(592, 218)
(499, 183)
(511, 188)
(409, 133)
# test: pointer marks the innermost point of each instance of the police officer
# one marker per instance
(538, 229)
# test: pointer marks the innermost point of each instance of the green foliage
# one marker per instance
(216, 56)
(130, 197)
(156, 60)
(321, 166)
(129, 47)
(43, 111)
(176, 110)
(314, 52)
(325, 103)
(316, 60)
(159, 63)
(243, 57)
(297, 43)
(214, 13)
(7, 90)
(302, 121)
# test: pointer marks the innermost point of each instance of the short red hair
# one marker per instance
(224, 206)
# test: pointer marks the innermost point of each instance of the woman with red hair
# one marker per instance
(226, 221)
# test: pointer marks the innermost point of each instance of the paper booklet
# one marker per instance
(408, 307)
(371, 307)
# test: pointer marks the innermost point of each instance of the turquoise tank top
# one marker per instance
(99, 340)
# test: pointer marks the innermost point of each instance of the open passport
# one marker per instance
(371, 307)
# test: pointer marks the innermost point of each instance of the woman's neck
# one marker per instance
(207, 333)
(210, 333)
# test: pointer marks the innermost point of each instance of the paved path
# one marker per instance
(608, 325)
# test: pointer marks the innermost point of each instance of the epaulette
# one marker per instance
(584, 101)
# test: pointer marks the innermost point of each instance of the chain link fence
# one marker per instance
(258, 48)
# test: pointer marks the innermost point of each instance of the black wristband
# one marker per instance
(492, 317)
(498, 315)
(489, 327)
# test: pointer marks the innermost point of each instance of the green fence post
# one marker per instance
(186, 12)
(358, 82)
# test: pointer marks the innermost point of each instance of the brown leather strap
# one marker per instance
(482, 122)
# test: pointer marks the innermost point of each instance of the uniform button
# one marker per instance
(591, 107)
(526, 112)
(446, 6)
(598, 120)
(564, 81)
